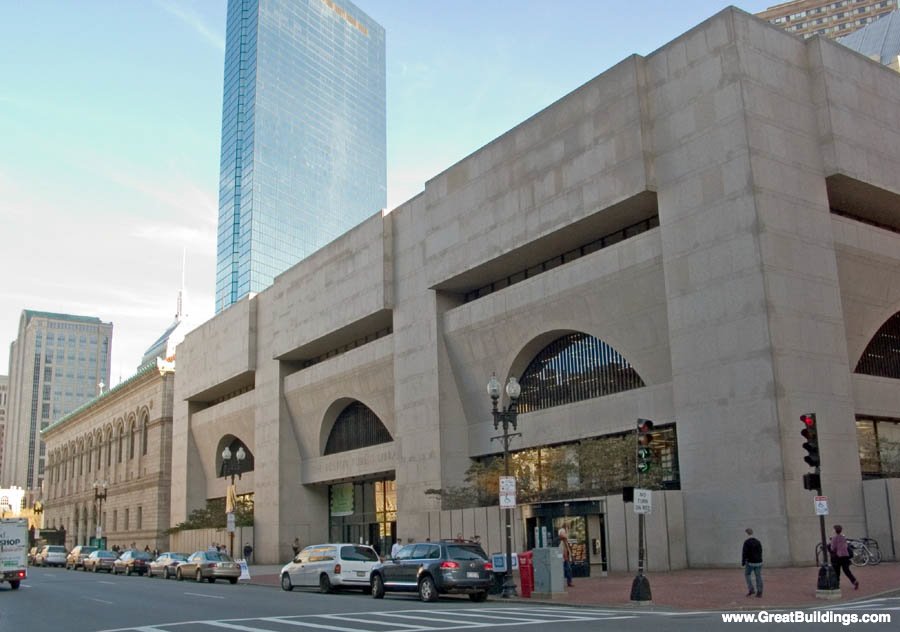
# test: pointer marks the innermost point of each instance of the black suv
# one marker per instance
(435, 568)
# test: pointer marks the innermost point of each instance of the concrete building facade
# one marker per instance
(56, 363)
(707, 237)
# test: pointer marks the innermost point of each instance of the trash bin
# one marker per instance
(526, 573)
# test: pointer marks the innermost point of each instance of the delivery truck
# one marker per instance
(13, 551)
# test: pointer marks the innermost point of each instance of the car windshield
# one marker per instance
(141, 555)
(466, 552)
(358, 554)
(56, 549)
(87, 550)
(217, 557)
(178, 557)
(108, 554)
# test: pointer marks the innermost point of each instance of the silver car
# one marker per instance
(208, 565)
(331, 566)
(51, 555)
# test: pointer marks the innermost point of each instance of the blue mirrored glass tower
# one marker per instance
(303, 135)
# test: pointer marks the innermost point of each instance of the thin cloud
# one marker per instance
(193, 20)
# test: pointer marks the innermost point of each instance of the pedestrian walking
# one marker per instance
(395, 548)
(296, 546)
(566, 551)
(248, 551)
(840, 556)
(751, 560)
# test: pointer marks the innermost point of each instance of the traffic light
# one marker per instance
(811, 445)
(644, 439)
(812, 481)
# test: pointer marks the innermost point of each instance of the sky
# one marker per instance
(110, 120)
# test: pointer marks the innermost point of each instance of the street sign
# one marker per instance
(507, 492)
(642, 502)
(230, 522)
(99, 532)
(821, 505)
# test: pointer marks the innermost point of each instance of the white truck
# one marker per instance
(13, 551)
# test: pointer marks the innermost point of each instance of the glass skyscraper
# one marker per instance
(303, 135)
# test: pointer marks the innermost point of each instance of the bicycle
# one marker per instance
(871, 552)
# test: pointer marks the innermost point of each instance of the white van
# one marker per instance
(331, 566)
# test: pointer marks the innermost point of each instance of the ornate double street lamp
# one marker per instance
(99, 497)
(231, 466)
(506, 417)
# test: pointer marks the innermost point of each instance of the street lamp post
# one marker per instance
(231, 465)
(99, 496)
(506, 417)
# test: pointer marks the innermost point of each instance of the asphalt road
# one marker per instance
(56, 600)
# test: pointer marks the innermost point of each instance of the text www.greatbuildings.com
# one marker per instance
(798, 616)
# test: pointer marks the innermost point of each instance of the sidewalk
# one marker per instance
(701, 589)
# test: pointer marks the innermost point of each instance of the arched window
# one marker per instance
(356, 427)
(109, 442)
(65, 465)
(132, 436)
(90, 454)
(121, 445)
(144, 434)
(882, 356)
(573, 368)
(81, 460)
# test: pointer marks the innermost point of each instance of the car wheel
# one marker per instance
(427, 589)
(478, 597)
(14, 584)
(377, 587)
(166, 573)
(232, 580)
(286, 582)
(178, 575)
(324, 584)
(199, 576)
(211, 580)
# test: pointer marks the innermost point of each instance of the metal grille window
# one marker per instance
(879, 447)
(573, 368)
(882, 356)
(356, 427)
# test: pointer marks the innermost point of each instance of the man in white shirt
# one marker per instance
(396, 547)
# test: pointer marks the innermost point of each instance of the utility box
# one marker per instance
(548, 572)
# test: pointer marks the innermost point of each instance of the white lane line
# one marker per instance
(110, 583)
(341, 617)
(100, 600)
(202, 595)
(310, 625)
(472, 624)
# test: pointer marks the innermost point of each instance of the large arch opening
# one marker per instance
(882, 355)
(356, 426)
(574, 367)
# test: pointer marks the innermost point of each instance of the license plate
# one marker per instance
(360, 573)
(472, 575)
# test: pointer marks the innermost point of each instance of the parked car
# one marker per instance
(331, 566)
(100, 560)
(76, 556)
(166, 564)
(131, 561)
(435, 568)
(208, 565)
(51, 555)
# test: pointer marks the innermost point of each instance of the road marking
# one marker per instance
(392, 623)
(110, 583)
(309, 624)
(202, 595)
(100, 600)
